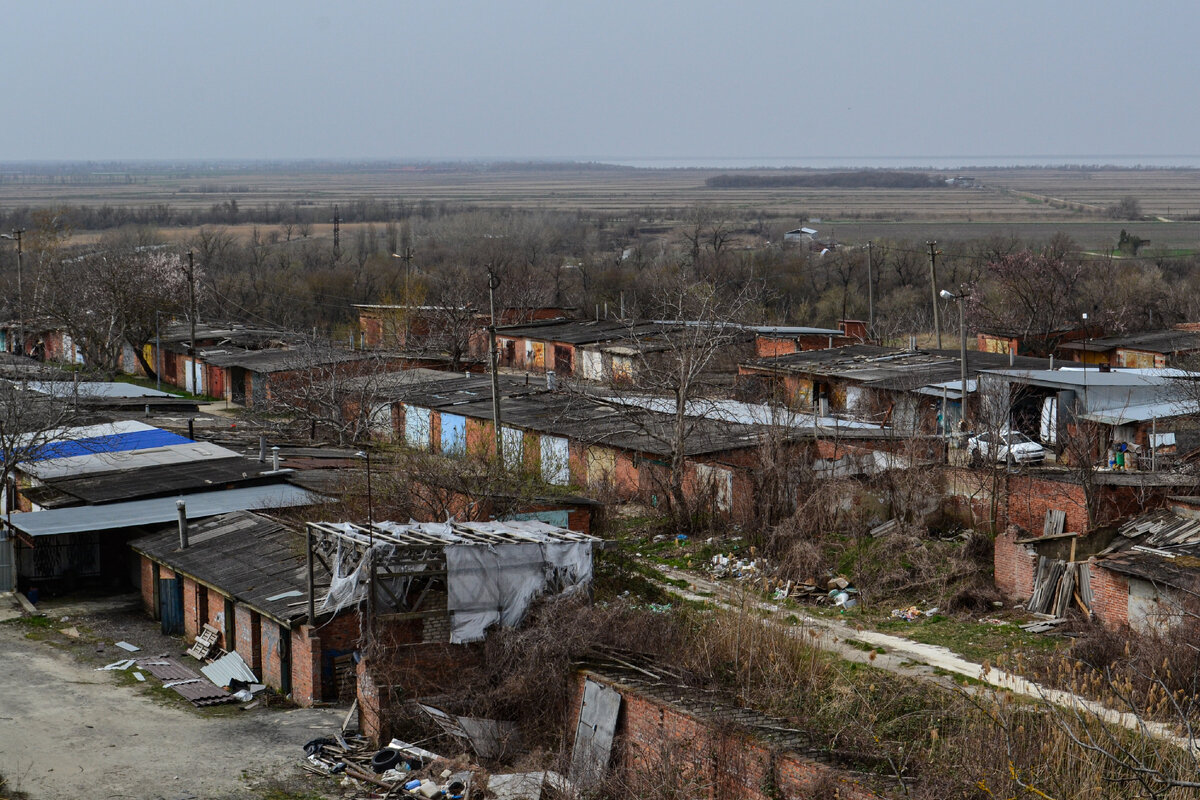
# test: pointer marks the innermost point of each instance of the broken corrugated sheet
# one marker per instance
(133, 648)
(518, 786)
(228, 668)
(166, 669)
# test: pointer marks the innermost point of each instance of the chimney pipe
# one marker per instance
(551, 380)
(1010, 357)
(183, 524)
(192, 428)
(275, 458)
(1052, 361)
(147, 409)
(262, 448)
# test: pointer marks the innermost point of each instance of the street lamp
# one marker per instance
(16, 237)
(961, 297)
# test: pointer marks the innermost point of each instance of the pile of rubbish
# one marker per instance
(224, 679)
(729, 566)
(912, 613)
(398, 770)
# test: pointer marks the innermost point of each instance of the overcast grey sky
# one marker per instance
(616, 79)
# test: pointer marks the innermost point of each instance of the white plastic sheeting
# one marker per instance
(495, 584)
(487, 582)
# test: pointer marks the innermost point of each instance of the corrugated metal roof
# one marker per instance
(228, 668)
(1144, 412)
(85, 389)
(159, 510)
(127, 460)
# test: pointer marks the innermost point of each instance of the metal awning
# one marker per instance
(159, 510)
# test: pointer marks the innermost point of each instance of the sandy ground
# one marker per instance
(67, 730)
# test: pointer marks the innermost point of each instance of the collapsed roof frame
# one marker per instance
(404, 571)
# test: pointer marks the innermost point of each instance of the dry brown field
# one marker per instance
(1030, 203)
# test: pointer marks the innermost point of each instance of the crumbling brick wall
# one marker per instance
(1014, 564)
(656, 739)
(1110, 596)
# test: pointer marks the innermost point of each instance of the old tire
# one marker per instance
(385, 759)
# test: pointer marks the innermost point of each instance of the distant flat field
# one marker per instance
(1030, 203)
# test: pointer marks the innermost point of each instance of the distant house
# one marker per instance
(1161, 348)
(801, 235)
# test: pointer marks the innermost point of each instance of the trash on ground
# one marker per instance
(912, 613)
(133, 648)
(72, 632)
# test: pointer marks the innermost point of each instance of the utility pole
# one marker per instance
(20, 343)
(870, 295)
(937, 317)
(192, 317)
(337, 234)
(406, 256)
(493, 283)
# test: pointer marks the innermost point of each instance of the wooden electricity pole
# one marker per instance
(937, 317)
(192, 317)
(493, 357)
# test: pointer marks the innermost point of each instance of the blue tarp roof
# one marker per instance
(113, 443)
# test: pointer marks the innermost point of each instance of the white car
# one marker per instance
(1001, 447)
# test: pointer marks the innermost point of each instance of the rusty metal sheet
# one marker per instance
(166, 669)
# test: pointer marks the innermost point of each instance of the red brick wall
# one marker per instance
(216, 617)
(1110, 596)
(248, 632)
(1015, 565)
(271, 638)
(306, 666)
(658, 742)
(191, 614)
(414, 670)
(148, 587)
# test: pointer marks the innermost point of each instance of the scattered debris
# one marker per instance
(517, 786)
(402, 769)
(1056, 584)
(489, 738)
(728, 566)
(140, 677)
(912, 613)
(117, 665)
(184, 681)
(133, 648)
(72, 632)
(885, 528)
(1043, 625)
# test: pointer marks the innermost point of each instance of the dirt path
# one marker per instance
(69, 731)
(906, 657)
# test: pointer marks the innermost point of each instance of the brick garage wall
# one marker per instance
(215, 616)
(248, 633)
(1014, 565)
(272, 639)
(147, 587)
(1110, 596)
(1030, 497)
(306, 666)
(191, 613)
(657, 742)
(408, 671)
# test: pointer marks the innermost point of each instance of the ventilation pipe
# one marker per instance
(275, 458)
(192, 428)
(1010, 357)
(551, 380)
(262, 448)
(183, 524)
(1052, 361)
